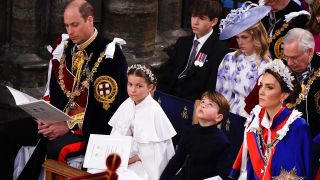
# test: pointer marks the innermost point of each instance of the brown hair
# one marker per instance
(142, 72)
(85, 8)
(210, 8)
(259, 36)
(313, 25)
(284, 88)
(220, 100)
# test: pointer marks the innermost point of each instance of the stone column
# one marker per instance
(169, 21)
(26, 27)
(169, 17)
(56, 24)
(3, 27)
(28, 69)
(133, 20)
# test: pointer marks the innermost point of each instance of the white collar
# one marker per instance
(204, 38)
(265, 121)
(282, 132)
(146, 99)
(251, 57)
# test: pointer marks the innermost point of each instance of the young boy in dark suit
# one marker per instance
(204, 150)
(193, 65)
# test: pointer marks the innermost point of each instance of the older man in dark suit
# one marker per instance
(193, 65)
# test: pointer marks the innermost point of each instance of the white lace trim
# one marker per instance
(292, 15)
(282, 132)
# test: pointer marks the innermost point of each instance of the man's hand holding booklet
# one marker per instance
(39, 109)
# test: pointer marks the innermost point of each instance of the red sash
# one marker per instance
(256, 157)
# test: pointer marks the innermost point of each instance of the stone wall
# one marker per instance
(26, 26)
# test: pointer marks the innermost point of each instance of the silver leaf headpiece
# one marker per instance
(144, 69)
(278, 67)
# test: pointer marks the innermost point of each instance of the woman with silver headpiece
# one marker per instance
(277, 141)
(239, 70)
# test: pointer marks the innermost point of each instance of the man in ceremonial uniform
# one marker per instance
(86, 80)
(298, 51)
(285, 15)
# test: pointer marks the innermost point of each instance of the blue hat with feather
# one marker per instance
(239, 20)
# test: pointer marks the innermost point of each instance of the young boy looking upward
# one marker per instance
(204, 150)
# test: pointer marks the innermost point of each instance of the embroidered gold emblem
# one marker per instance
(106, 89)
(285, 175)
(317, 101)
(278, 48)
(184, 113)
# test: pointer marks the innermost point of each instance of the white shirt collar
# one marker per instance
(203, 39)
(265, 121)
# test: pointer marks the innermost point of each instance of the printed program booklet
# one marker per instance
(38, 109)
(101, 146)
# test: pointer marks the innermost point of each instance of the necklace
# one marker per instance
(77, 88)
(277, 32)
(268, 146)
(305, 90)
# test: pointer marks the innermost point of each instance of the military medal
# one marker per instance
(200, 59)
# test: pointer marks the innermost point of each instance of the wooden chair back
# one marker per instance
(57, 169)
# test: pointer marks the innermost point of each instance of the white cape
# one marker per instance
(151, 131)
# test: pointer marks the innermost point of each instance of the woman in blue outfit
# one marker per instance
(277, 141)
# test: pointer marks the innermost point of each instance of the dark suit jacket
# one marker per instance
(198, 79)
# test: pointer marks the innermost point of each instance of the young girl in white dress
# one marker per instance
(141, 117)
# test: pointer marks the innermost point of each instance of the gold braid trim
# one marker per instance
(76, 90)
(79, 58)
(277, 32)
(76, 120)
(85, 83)
(305, 90)
(89, 41)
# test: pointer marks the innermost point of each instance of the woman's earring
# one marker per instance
(281, 101)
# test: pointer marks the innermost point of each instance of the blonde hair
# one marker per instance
(259, 36)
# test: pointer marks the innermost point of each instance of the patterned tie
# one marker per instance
(190, 60)
(272, 22)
